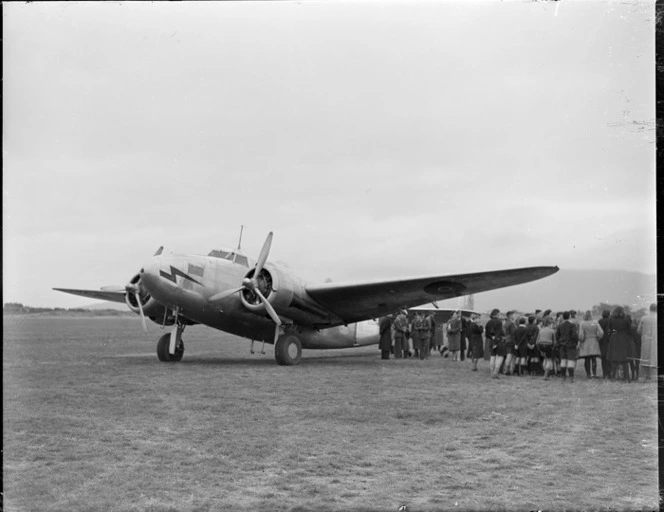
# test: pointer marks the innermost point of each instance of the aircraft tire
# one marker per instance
(288, 350)
(162, 350)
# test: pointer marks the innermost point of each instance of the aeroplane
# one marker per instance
(262, 301)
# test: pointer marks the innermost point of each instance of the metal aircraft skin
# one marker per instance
(261, 301)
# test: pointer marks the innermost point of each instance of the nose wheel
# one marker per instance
(170, 347)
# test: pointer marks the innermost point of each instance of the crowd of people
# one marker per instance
(543, 343)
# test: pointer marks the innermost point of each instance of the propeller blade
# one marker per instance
(268, 306)
(140, 308)
(265, 251)
(225, 293)
(276, 334)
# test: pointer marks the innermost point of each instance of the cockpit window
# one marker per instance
(221, 254)
(242, 260)
(230, 256)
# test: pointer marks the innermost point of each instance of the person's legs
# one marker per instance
(586, 366)
(571, 364)
(508, 363)
(398, 347)
(626, 372)
(499, 362)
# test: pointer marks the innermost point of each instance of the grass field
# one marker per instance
(92, 421)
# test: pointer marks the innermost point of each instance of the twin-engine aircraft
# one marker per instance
(258, 300)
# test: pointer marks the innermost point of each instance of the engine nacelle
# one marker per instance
(151, 308)
(275, 285)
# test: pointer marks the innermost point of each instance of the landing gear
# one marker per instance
(163, 346)
(288, 350)
(170, 347)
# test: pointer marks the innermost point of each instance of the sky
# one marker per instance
(376, 139)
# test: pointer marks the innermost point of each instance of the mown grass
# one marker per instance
(93, 421)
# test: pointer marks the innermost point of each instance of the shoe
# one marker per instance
(474, 370)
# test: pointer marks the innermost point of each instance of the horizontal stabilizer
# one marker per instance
(110, 293)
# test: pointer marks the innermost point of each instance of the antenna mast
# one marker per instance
(239, 243)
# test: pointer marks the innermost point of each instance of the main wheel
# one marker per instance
(162, 350)
(288, 350)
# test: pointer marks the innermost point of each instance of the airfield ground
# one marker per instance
(92, 421)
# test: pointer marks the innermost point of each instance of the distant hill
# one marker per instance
(15, 308)
(574, 289)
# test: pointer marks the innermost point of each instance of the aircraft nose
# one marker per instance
(150, 272)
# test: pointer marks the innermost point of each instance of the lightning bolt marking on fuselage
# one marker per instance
(174, 273)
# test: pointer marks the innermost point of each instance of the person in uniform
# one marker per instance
(567, 336)
(415, 329)
(648, 331)
(509, 328)
(496, 342)
(385, 331)
(425, 337)
(475, 340)
(400, 335)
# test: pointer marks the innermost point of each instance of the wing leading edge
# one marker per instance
(354, 302)
(110, 295)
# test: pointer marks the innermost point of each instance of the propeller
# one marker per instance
(251, 284)
(133, 288)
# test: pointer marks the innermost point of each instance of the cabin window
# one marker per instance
(242, 260)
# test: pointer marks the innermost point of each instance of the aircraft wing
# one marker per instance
(111, 295)
(354, 302)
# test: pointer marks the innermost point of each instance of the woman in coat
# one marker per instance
(476, 341)
(590, 333)
(454, 335)
(620, 342)
(495, 337)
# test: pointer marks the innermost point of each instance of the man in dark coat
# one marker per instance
(604, 343)
(385, 331)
